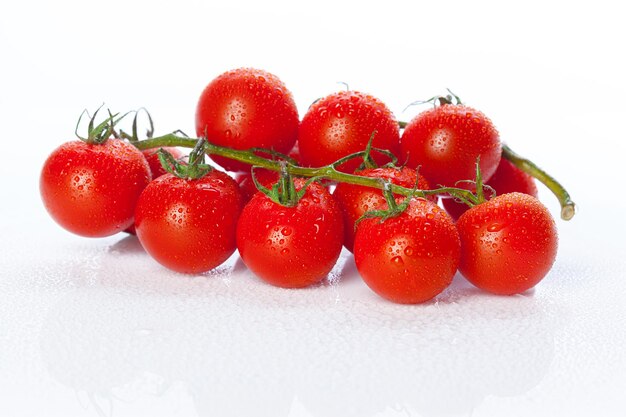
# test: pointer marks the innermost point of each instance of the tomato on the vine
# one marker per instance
(509, 243)
(356, 200)
(341, 124)
(507, 179)
(156, 169)
(446, 141)
(91, 189)
(291, 247)
(247, 108)
(409, 258)
(188, 225)
(152, 156)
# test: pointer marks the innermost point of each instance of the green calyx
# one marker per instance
(195, 168)
(98, 134)
(133, 137)
(393, 209)
(284, 191)
(437, 100)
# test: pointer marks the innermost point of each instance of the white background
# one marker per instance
(94, 327)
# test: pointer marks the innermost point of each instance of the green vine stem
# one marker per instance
(568, 208)
(328, 171)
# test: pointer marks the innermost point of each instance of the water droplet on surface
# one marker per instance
(397, 260)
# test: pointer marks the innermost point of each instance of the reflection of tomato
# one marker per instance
(355, 200)
(507, 179)
(409, 258)
(342, 124)
(508, 243)
(92, 189)
(188, 225)
(247, 108)
(445, 142)
(291, 246)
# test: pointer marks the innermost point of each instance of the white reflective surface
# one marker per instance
(96, 328)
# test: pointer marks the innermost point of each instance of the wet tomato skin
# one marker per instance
(92, 189)
(410, 258)
(247, 108)
(291, 247)
(188, 225)
(445, 142)
(341, 124)
(356, 200)
(508, 243)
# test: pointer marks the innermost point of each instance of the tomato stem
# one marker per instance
(568, 208)
(328, 171)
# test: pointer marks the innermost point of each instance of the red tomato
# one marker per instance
(156, 169)
(264, 176)
(410, 258)
(291, 247)
(92, 189)
(507, 179)
(445, 142)
(247, 108)
(355, 200)
(508, 243)
(341, 124)
(188, 225)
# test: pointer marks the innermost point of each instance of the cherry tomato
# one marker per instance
(291, 247)
(507, 179)
(445, 142)
(508, 243)
(92, 189)
(341, 124)
(355, 200)
(247, 108)
(156, 169)
(188, 225)
(264, 176)
(410, 258)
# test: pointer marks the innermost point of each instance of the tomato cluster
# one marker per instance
(191, 217)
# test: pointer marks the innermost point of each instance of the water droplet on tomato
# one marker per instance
(397, 260)
(495, 227)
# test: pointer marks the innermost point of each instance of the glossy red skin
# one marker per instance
(445, 142)
(291, 247)
(508, 243)
(410, 258)
(156, 169)
(341, 124)
(507, 179)
(247, 108)
(187, 225)
(91, 190)
(355, 200)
